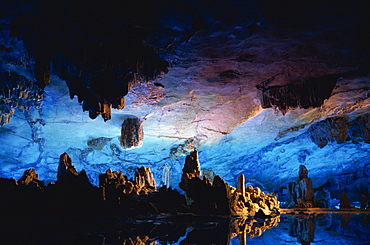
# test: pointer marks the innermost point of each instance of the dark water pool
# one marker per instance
(330, 228)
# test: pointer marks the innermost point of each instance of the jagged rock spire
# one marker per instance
(65, 167)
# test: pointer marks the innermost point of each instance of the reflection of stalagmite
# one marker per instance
(302, 228)
(139, 240)
(242, 227)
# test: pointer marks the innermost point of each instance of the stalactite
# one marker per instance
(132, 133)
(310, 92)
(17, 93)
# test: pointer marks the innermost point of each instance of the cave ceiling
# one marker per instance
(258, 87)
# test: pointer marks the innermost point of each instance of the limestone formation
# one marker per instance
(191, 169)
(329, 130)
(166, 177)
(300, 192)
(98, 143)
(310, 92)
(17, 93)
(65, 167)
(217, 197)
(144, 180)
(322, 198)
(73, 195)
(365, 201)
(132, 133)
(243, 227)
(344, 201)
(114, 184)
(303, 229)
(30, 178)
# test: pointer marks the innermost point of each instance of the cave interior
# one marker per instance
(277, 92)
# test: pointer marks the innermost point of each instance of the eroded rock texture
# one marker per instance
(299, 94)
(191, 170)
(301, 193)
(243, 228)
(114, 184)
(132, 133)
(30, 178)
(217, 197)
(341, 129)
(17, 92)
(100, 52)
(65, 167)
(344, 201)
(72, 195)
(303, 229)
(144, 178)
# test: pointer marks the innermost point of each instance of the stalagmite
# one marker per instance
(191, 169)
(241, 185)
(344, 201)
(144, 175)
(301, 193)
(166, 177)
(30, 177)
(65, 167)
(217, 197)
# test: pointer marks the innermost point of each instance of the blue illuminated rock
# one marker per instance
(301, 193)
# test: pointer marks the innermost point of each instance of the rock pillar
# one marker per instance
(344, 201)
(241, 185)
(65, 167)
(301, 193)
(191, 169)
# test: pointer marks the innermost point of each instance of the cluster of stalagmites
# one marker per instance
(16, 92)
(73, 194)
(301, 194)
(217, 197)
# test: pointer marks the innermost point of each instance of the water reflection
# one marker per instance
(328, 228)
(342, 228)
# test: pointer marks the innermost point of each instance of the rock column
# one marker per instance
(301, 193)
